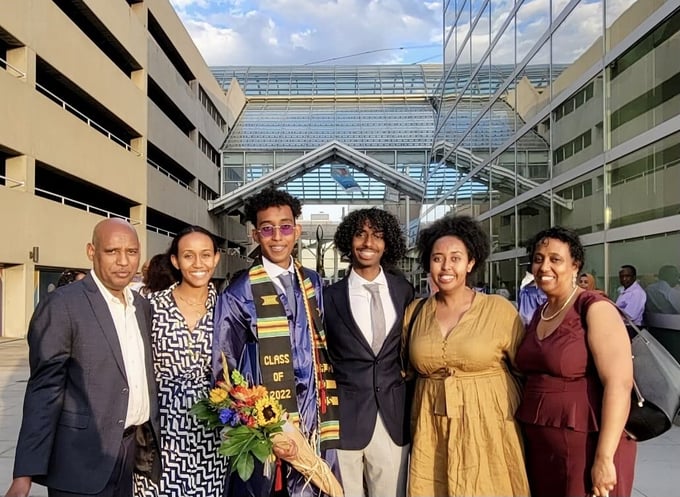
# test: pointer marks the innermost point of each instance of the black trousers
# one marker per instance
(120, 482)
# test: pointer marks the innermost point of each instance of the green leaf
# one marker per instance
(261, 449)
(204, 412)
(201, 409)
(245, 465)
(240, 432)
(233, 448)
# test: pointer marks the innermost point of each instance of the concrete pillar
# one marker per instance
(21, 168)
(23, 59)
(138, 219)
(18, 298)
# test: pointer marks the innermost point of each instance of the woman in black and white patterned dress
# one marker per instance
(182, 334)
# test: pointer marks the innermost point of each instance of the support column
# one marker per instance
(138, 218)
(18, 295)
(21, 168)
(22, 59)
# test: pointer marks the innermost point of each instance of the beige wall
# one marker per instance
(40, 130)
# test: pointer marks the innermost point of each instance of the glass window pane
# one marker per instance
(644, 87)
(644, 184)
(580, 204)
(533, 216)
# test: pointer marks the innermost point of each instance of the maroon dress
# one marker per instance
(560, 410)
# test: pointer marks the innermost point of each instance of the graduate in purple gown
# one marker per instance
(268, 324)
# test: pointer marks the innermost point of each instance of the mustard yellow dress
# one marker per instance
(465, 438)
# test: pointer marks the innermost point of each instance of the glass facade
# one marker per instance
(593, 143)
(385, 112)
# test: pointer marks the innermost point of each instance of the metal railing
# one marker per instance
(99, 211)
(21, 74)
(90, 122)
(101, 129)
(160, 231)
(170, 175)
(14, 182)
(55, 197)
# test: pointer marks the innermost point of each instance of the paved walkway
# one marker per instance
(657, 472)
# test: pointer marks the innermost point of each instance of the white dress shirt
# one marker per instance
(274, 271)
(360, 303)
(132, 349)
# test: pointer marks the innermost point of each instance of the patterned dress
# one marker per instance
(191, 465)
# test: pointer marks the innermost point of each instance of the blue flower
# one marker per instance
(228, 416)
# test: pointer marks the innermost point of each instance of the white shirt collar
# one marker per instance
(357, 282)
(274, 270)
(129, 298)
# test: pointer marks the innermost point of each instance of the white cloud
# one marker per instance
(252, 32)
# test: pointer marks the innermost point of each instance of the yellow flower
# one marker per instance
(268, 411)
(218, 395)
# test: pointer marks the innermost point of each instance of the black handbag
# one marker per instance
(655, 402)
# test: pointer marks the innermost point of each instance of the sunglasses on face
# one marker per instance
(268, 230)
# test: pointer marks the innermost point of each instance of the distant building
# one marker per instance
(107, 110)
(594, 146)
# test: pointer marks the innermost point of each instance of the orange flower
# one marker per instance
(248, 395)
(260, 392)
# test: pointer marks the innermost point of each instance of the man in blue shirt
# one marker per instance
(632, 296)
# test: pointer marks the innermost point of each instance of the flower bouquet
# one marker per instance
(254, 425)
(247, 416)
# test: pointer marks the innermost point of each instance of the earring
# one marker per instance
(573, 281)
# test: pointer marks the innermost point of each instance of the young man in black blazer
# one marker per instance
(363, 321)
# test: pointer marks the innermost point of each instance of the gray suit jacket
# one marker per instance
(77, 395)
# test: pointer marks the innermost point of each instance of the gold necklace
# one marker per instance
(561, 308)
(195, 304)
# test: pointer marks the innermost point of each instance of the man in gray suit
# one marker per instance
(91, 399)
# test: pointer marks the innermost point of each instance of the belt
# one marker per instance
(129, 431)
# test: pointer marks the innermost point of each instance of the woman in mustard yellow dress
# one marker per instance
(465, 438)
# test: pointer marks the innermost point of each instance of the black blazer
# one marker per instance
(77, 395)
(367, 382)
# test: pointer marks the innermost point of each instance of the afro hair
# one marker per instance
(379, 220)
(465, 228)
(271, 197)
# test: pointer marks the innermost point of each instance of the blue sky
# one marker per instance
(253, 32)
(283, 32)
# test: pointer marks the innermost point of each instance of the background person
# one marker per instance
(663, 296)
(587, 282)
(632, 297)
(530, 298)
(577, 360)
(364, 340)
(70, 276)
(182, 336)
(91, 385)
(159, 275)
(465, 439)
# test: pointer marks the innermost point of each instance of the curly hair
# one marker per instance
(160, 274)
(378, 220)
(271, 197)
(565, 235)
(467, 229)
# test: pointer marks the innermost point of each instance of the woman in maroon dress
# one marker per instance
(577, 359)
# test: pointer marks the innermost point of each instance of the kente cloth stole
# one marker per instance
(276, 362)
